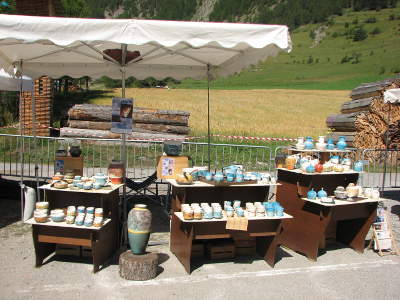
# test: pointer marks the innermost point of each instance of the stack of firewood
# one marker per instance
(89, 120)
(366, 120)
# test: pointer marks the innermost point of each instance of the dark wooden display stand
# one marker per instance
(184, 233)
(313, 223)
(103, 241)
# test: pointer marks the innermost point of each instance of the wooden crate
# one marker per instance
(70, 250)
(86, 251)
(198, 250)
(245, 246)
(221, 250)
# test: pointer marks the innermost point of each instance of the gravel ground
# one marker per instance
(340, 273)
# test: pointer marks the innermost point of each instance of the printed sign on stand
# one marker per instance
(121, 117)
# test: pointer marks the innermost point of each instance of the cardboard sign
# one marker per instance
(169, 166)
(237, 223)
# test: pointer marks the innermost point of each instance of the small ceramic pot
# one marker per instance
(352, 190)
(101, 179)
(87, 186)
(375, 194)
(97, 185)
(368, 192)
(98, 212)
(198, 213)
(58, 217)
(341, 144)
(79, 184)
(90, 210)
(309, 143)
(75, 151)
(240, 212)
(230, 177)
(208, 176)
(81, 209)
(229, 211)
(208, 213)
(218, 177)
(236, 203)
(312, 194)
(322, 194)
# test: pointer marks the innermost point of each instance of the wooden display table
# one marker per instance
(103, 241)
(185, 232)
(315, 222)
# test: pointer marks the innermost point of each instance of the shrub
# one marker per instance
(335, 35)
(359, 34)
(370, 20)
(382, 70)
(355, 21)
(376, 30)
(346, 25)
(392, 17)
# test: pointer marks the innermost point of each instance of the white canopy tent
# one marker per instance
(9, 83)
(140, 48)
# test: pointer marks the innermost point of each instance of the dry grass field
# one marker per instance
(268, 113)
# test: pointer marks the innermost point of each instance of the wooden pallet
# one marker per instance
(221, 250)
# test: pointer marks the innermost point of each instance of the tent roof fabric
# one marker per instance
(69, 46)
(9, 83)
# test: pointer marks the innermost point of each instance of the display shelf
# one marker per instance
(65, 225)
(297, 171)
(104, 190)
(339, 202)
(197, 184)
(224, 218)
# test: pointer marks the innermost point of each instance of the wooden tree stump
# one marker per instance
(138, 267)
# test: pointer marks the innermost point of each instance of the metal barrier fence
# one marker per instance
(142, 157)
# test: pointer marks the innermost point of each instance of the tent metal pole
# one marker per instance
(124, 49)
(208, 118)
(21, 131)
(34, 142)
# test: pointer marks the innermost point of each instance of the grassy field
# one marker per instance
(271, 113)
(321, 67)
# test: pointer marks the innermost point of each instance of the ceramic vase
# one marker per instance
(322, 194)
(358, 166)
(116, 171)
(312, 194)
(75, 151)
(139, 227)
(308, 144)
(341, 144)
(330, 145)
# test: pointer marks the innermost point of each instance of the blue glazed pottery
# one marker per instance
(236, 203)
(310, 168)
(101, 179)
(75, 182)
(330, 145)
(308, 144)
(139, 227)
(270, 211)
(335, 159)
(217, 213)
(322, 194)
(229, 211)
(358, 166)
(279, 211)
(208, 213)
(79, 184)
(230, 177)
(77, 177)
(97, 185)
(312, 194)
(240, 212)
(341, 144)
(227, 204)
(218, 176)
(208, 176)
(239, 177)
(87, 186)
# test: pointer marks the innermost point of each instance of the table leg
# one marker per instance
(353, 232)
(266, 246)
(42, 250)
(181, 242)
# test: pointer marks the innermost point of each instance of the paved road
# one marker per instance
(340, 273)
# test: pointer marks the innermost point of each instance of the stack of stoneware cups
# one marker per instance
(139, 227)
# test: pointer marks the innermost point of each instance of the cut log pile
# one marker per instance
(366, 119)
(89, 120)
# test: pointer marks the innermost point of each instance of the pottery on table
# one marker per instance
(61, 152)
(358, 166)
(310, 168)
(321, 145)
(312, 194)
(139, 227)
(42, 205)
(375, 194)
(308, 144)
(352, 190)
(340, 193)
(341, 144)
(239, 177)
(100, 178)
(75, 151)
(322, 194)
(116, 171)
(290, 162)
(330, 145)
(218, 176)
(335, 159)
(300, 143)
(319, 168)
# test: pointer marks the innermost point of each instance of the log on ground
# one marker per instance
(106, 134)
(174, 129)
(92, 112)
(138, 267)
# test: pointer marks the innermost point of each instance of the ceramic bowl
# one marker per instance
(42, 205)
(56, 211)
(78, 177)
(58, 217)
(340, 194)
(90, 210)
(352, 191)
(60, 185)
(39, 212)
(87, 186)
(79, 185)
(41, 218)
(81, 209)
(97, 185)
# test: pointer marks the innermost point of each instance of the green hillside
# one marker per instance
(337, 62)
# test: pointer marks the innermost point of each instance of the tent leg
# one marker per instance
(125, 206)
(208, 118)
(386, 151)
(21, 131)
